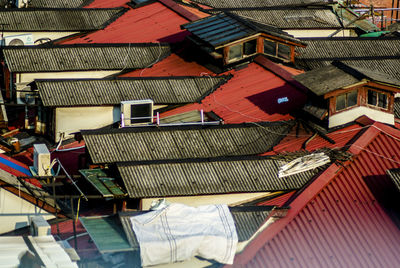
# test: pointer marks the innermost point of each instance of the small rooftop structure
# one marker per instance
(230, 38)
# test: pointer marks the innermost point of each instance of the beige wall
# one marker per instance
(352, 114)
(15, 212)
(320, 33)
(29, 77)
(228, 199)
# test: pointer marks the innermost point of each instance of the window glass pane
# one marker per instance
(372, 96)
(235, 52)
(340, 102)
(250, 47)
(269, 47)
(283, 51)
(352, 98)
(382, 100)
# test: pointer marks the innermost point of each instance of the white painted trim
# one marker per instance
(354, 113)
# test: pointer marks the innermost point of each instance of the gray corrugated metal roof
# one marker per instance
(325, 79)
(148, 144)
(82, 57)
(73, 20)
(162, 90)
(292, 18)
(208, 177)
(258, 3)
(58, 3)
(247, 221)
(376, 54)
(394, 175)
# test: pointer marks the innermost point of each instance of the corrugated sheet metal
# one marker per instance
(57, 3)
(31, 20)
(167, 90)
(292, 18)
(147, 144)
(172, 65)
(344, 225)
(83, 57)
(209, 177)
(251, 95)
(105, 3)
(278, 201)
(219, 29)
(258, 3)
(377, 54)
(151, 23)
(397, 107)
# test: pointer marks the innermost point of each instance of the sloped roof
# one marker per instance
(255, 93)
(337, 220)
(338, 75)
(217, 176)
(72, 20)
(82, 57)
(224, 28)
(258, 3)
(150, 23)
(162, 90)
(151, 144)
(377, 54)
(292, 18)
(58, 3)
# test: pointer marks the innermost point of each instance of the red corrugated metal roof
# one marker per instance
(293, 142)
(277, 201)
(253, 94)
(337, 221)
(107, 3)
(173, 65)
(151, 23)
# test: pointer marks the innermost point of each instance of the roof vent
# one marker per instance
(136, 112)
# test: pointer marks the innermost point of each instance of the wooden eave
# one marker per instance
(272, 37)
(378, 85)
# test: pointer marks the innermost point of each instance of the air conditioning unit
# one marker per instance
(18, 40)
(136, 112)
(41, 159)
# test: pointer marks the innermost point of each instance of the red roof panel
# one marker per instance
(277, 201)
(107, 3)
(337, 221)
(151, 23)
(253, 94)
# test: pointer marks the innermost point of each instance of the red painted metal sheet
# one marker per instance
(173, 65)
(150, 23)
(107, 3)
(277, 201)
(343, 223)
(253, 94)
(293, 142)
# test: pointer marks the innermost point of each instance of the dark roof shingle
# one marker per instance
(42, 20)
(219, 176)
(58, 3)
(151, 144)
(162, 90)
(82, 57)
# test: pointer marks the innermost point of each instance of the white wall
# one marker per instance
(352, 114)
(228, 199)
(320, 33)
(39, 35)
(15, 212)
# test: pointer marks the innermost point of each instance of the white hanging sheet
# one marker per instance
(179, 232)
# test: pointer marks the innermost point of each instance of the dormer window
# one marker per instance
(346, 100)
(239, 39)
(378, 99)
